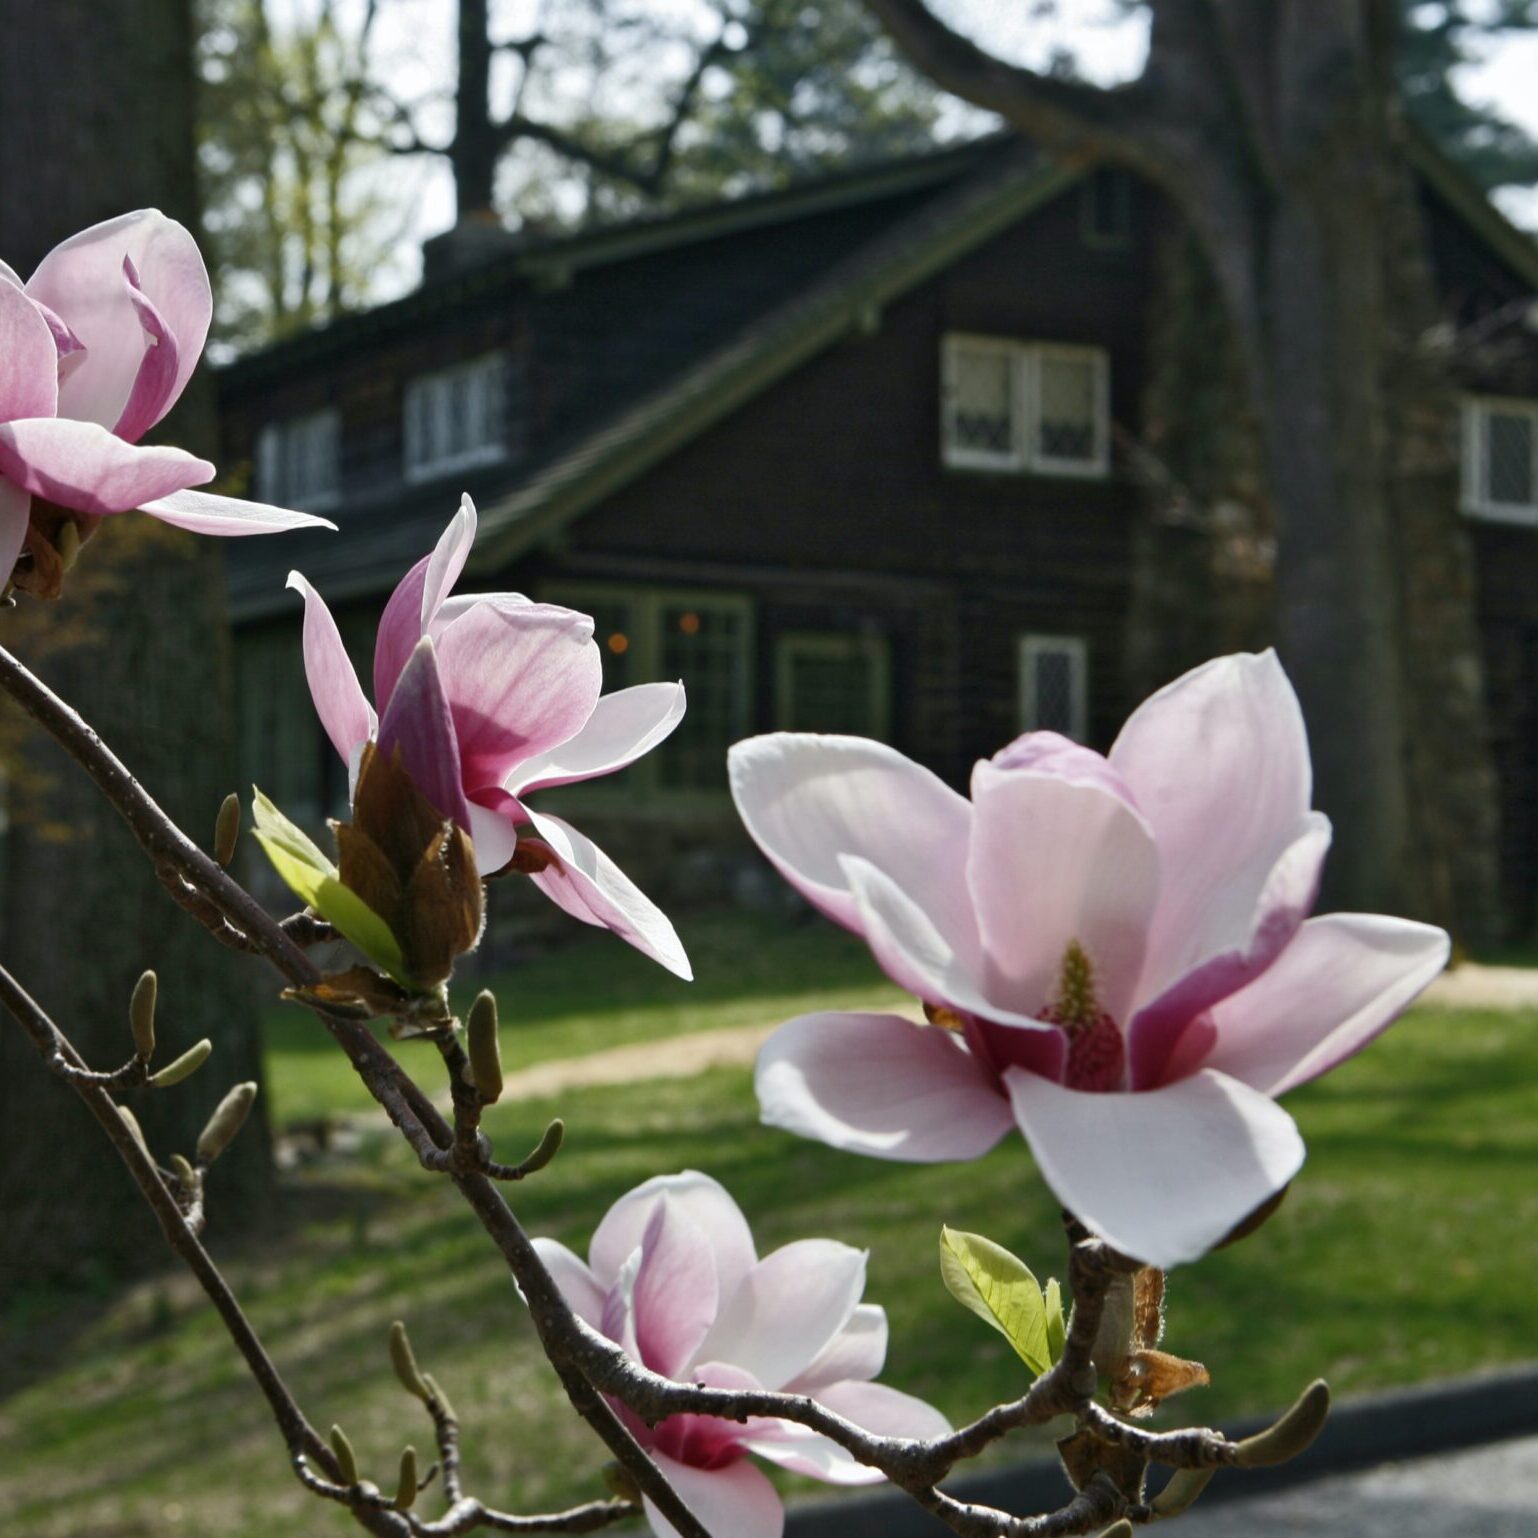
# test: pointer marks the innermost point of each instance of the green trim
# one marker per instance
(839, 646)
(1468, 200)
(658, 426)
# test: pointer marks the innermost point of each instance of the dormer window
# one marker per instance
(299, 461)
(1036, 407)
(456, 417)
(1500, 458)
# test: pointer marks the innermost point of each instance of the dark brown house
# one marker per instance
(864, 456)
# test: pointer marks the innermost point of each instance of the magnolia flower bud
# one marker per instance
(228, 1118)
(404, 1360)
(186, 1176)
(227, 829)
(445, 1409)
(406, 1489)
(1181, 1490)
(135, 1130)
(547, 1147)
(141, 1015)
(1292, 1434)
(346, 1462)
(484, 1047)
(185, 1066)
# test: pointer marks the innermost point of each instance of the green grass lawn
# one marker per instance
(1406, 1251)
(595, 994)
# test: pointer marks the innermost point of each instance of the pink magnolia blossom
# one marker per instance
(95, 348)
(673, 1276)
(491, 697)
(1118, 946)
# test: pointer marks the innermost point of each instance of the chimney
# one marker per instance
(468, 244)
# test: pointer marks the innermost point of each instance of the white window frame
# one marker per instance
(1477, 411)
(432, 393)
(966, 456)
(641, 782)
(1076, 649)
(828, 643)
(275, 450)
(1024, 454)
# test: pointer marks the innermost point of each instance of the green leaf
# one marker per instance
(998, 1288)
(1057, 1328)
(313, 878)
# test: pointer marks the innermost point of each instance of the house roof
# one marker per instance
(941, 206)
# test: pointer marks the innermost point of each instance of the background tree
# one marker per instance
(1277, 128)
(299, 230)
(140, 644)
(1437, 39)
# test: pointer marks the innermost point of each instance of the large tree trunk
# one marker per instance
(1273, 126)
(473, 153)
(96, 118)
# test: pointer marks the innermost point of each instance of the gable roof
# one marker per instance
(955, 200)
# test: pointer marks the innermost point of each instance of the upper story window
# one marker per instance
(456, 417)
(299, 461)
(1054, 685)
(1042, 407)
(1500, 458)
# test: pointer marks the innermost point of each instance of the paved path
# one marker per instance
(679, 1057)
(1487, 1492)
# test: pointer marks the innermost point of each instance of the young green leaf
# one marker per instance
(999, 1289)
(1057, 1326)
(313, 877)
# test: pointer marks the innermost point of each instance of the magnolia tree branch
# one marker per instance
(591, 1368)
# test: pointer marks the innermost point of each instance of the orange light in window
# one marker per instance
(618, 643)
(689, 623)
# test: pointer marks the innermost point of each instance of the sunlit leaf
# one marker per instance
(998, 1288)
(313, 878)
(1057, 1326)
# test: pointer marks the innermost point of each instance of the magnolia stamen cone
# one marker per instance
(406, 1488)
(484, 1048)
(183, 1067)
(141, 1015)
(1180, 1491)
(345, 1460)
(404, 1360)
(228, 1118)
(1292, 1434)
(227, 829)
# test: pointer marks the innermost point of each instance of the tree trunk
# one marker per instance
(473, 153)
(140, 644)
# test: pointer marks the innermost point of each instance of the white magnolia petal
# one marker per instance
(1345, 978)
(879, 1085)
(705, 1200)
(736, 1501)
(787, 1309)
(1165, 1174)
(809, 800)
(858, 1351)
(577, 1283)
(623, 726)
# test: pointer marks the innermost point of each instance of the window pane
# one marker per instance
(1053, 685)
(614, 630)
(1054, 693)
(706, 646)
(1067, 413)
(1509, 459)
(982, 400)
(833, 684)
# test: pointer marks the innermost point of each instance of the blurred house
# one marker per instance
(903, 452)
